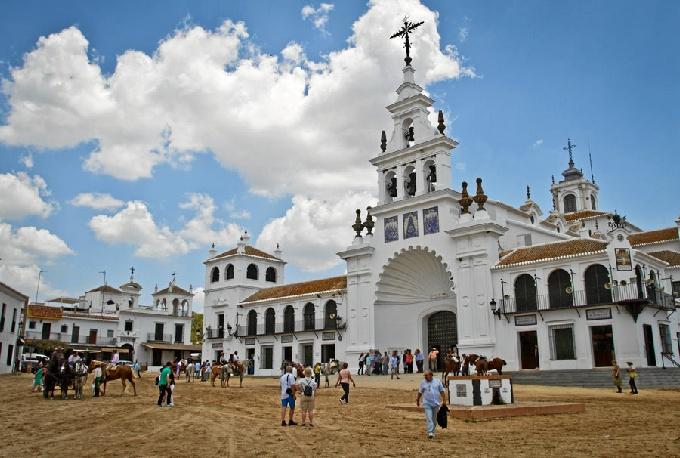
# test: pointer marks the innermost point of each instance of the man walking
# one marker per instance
(288, 387)
(97, 380)
(432, 392)
(632, 375)
(164, 386)
(616, 376)
(394, 366)
(419, 360)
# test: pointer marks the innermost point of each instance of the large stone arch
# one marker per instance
(414, 275)
(414, 284)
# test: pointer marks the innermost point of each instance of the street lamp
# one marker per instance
(494, 308)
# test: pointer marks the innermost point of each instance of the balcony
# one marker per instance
(69, 339)
(622, 295)
(160, 338)
(299, 326)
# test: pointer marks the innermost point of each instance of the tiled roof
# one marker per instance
(299, 289)
(132, 284)
(582, 214)
(175, 290)
(550, 251)
(649, 237)
(44, 312)
(250, 251)
(671, 257)
(106, 289)
(64, 300)
(9, 290)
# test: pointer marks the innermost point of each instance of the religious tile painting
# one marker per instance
(391, 229)
(410, 225)
(431, 220)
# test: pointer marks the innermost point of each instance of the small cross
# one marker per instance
(132, 271)
(569, 147)
(173, 277)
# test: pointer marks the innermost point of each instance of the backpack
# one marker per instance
(308, 389)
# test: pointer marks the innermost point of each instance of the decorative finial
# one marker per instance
(569, 147)
(383, 141)
(553, 179)
(465, 200)
(441, 127)
(213, 245)
(369, 223)
(277, 246)
(480, 198)
(358, 225)
(528, 193)
(404, 32)
(132, 273)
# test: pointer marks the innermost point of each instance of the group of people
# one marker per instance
(307, 386)
(376, 363)
(64, 369)
(632, 377)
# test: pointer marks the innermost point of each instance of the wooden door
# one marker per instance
(528, 342)
(603, 345)
(649, 345)
(92, 337)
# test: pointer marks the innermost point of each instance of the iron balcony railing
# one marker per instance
(298, 326)
(161, 338)
(615, 295)
(71, 339)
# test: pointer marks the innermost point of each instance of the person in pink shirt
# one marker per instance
(344, 379)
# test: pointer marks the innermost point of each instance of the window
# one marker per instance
(267, 357)
(270, 275)
(593, 204)
(676, 289)
(665, 334)
(179, 333)
(252, 323)
(75, 334)
(220, 325)
(270, 321)
(559, 289)
(128, 325)
(251, 272)
(229, 272)
(214, 275)
(309, 316)
(525, 293)
(2, 317)
(524, 240)
(64, 328)
(109, 333)
(598, 288)
(562, 342)
(10, 353)
(289, 319)
(330, 315)
(569, 203)
(14, 320)
(31, 325)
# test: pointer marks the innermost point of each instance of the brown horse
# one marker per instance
(215, 371)
(111, 372)
(469, 359)
(450, 365)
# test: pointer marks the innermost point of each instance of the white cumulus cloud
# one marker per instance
(97, 201)
(23, 195)
(318, 16)
(134, 225)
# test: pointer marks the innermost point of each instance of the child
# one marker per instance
(37, 381)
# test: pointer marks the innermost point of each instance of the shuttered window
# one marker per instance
(562, 342)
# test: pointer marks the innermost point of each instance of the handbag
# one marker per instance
(442, 416)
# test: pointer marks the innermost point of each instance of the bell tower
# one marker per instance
(575, 192)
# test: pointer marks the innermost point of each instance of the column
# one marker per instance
(421, 182)
(400, 183)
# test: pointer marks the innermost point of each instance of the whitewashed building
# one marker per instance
(13, 304)
(106, 320)
(436, 267)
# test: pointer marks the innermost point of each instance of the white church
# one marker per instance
(431, 266)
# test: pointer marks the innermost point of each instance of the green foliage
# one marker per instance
(197, 325)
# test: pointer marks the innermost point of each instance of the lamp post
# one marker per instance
(494, 308)
(103, 290)
(37, 287)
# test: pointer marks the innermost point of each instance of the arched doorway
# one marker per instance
(414, 286)
(130, 355)
(442, 333)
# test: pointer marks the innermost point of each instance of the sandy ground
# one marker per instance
(210, 421)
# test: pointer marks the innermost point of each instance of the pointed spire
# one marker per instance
(358, 225)
(383, 141)
(441, 127)
(480, 198)
(464, 200)
(528, 193)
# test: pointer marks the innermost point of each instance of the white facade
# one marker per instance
(433, 266)
(12, 305)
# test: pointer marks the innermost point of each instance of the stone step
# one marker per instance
(649, 377)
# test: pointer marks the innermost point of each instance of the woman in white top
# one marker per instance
(308, 390)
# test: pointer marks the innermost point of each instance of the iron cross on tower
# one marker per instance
(569, 147)
(404, 32)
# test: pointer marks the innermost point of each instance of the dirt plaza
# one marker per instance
(245, 422)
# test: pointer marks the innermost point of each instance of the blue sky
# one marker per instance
(601, 73)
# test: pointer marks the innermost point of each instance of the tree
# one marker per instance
(197, 328)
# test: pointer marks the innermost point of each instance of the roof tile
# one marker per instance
(44, 312)
(299, 289)
(649, 237)
(250, 251)
(582, 214)
(551, 251)
(671, 257)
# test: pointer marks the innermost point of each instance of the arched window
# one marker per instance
(569, 203)
(214, 275)
(430, 173)
(251, 272)
(289, 319)
(560, 292)
(229, 272)
(309, 316)
(175, 306)
(164, 305)
(598, 288)
(252, 323)
(330, 315)
(270, 274)
(270, 321)
(185, 307)
(409, 181)
(593, 204)
(390, 186)
(638, 282)
(525, 293)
